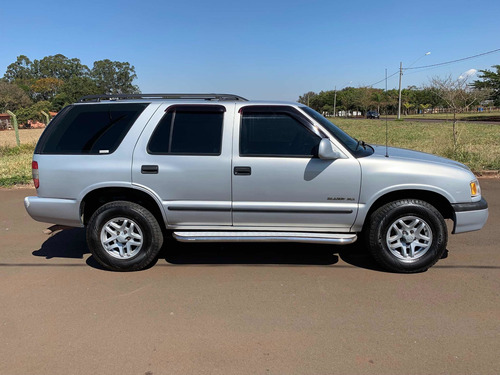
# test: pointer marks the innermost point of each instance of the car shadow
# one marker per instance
(298, 254)
(71, 243)
(67, 243)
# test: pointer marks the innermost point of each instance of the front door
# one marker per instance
(278, 181)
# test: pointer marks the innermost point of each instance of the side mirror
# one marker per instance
(328, 151)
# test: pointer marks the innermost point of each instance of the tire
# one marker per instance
(407, 236)
(124, 236)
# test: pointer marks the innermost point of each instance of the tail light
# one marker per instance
(36, 176)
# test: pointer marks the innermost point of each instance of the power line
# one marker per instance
(383, 79)
(453, 61)
(437, 65)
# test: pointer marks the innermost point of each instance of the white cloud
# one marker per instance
(469, 73)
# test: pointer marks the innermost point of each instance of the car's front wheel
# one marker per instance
(407, 235)
(124, 236)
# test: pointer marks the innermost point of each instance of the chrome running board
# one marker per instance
(328, 238)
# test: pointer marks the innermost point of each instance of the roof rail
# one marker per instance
(220, 97)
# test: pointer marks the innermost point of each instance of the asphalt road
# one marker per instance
(244, 309)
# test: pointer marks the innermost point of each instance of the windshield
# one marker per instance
(344, 138)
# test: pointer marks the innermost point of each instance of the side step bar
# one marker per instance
(325, 238)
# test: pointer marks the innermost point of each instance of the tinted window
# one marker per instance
(343, 137)
(89, 129)
(185, 130)
(160, 141)
(276, 134)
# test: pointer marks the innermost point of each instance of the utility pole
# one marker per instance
(399, 100)
(335, 102)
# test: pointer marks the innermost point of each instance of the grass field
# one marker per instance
(26, 136)
(478, 144)
(15, 163)
(464, 116)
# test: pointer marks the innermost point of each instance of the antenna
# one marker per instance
(386, 126)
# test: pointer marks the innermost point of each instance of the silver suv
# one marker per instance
(213, 168)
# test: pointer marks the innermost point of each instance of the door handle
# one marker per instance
(242, 171)
(149, 169)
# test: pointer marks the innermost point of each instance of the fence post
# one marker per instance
(16, 128)
(46, 117)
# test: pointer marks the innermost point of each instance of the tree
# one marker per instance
(72, 90)
(348, 98)
(33, 112)
(12, 97)
(407, 106)
(20, 70)
(364, 97)
(458, 95)
(46, 88)
(60, 67)
(307, 97)
(424, 107)
(490, 81)
(377, 98)
(327, 108)
(64, 80)
(114, 77)
(427, 98)
(391, 100)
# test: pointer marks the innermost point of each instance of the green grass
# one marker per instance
(478, 144)
(15, 165)
(463, 116)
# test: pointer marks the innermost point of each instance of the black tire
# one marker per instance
(383, 228)
(136, 221)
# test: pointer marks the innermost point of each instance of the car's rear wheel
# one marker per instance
(407, 235)
(124, 236)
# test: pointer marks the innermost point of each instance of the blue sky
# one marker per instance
(257, 49)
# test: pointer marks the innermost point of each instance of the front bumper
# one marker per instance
(55, 211)
(470, 216)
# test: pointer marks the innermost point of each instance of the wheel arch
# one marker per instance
(100, 196)
(435, 199)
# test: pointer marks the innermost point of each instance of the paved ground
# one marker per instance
(244, 309)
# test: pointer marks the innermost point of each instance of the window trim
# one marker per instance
(193, 108)
(279, 109)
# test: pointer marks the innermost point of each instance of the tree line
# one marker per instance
(29, 87)
(485, 91)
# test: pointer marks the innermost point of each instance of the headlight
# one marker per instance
(475, 189)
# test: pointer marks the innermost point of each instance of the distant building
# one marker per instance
(5, 121)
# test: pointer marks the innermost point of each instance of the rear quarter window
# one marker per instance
(89, 129)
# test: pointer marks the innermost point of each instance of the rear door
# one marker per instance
(184, 157)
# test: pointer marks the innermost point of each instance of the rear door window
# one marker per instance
(189, 130)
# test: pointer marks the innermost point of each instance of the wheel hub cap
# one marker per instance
(408, 238)
(121, 238)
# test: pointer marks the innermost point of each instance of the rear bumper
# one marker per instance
(55, 211)
(470, 216)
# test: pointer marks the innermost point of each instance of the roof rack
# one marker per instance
(220, 97)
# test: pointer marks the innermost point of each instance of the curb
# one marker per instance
(488, 174)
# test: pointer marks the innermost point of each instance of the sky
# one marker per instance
(258, 49)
